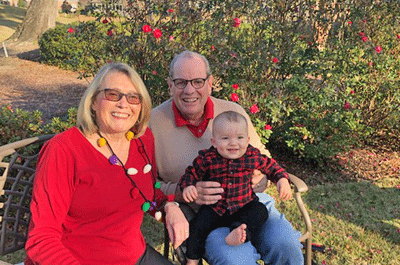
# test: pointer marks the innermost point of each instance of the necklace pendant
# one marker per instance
(113, 160)
(145, 206)
(132, 171)
(147, 168)
(157, 185)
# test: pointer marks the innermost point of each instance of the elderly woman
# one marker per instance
(95, 181)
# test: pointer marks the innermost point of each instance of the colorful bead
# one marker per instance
(129, 135)
(147, 168)
(157, 185)
(132, 171)
(101, 142)
(113, 160)
(146, 206)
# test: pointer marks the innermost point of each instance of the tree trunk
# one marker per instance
(40, 16)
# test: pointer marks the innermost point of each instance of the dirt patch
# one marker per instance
(30, 85)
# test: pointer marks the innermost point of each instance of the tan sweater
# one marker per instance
(176, 147)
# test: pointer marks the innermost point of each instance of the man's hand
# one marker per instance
(189, 193)
(259, 181)
(209, 192)
(285, 192)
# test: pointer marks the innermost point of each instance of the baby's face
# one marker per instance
(230, 139)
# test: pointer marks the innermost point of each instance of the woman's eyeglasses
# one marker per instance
(115, 95)
(196, 83)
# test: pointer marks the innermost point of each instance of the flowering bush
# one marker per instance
(316, 78)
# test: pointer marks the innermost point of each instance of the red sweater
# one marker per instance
(82, 212)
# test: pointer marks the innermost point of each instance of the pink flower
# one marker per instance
(157, 33)
(105, 21)
(234, 97)
(268, 127)
(275, 60)
(352, 92)
(170, 10)
(154, 72)
(171, 37)
(364, 21)
(235, 86)
(361, 33)
(212, 47)
(378, 49)
(347, 106)
(10, 109)
(110, 32)
(398, 36)
(254, 109)
(70, 30)
(364, 39)
(323, 262)
(370, 63)
(146, 28)
(398, 187)
(237, 22)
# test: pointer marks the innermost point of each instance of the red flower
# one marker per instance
(350, 22)
(347, 106)
(361, 33)
(110, 32)
(234, 97)
(268, 127)
(370, 63)
(70, 30)
(157, 33)
(10, 109)
(146, 28)
(364, 21)
(254, 109)
(309, 43)
(398, 36)
(275, 60)
(105, 21)
(378, 49)
(170, 10)
(154, 72)
(235, 86)
(237, 22)
(352, 92)
(364, 39)
(212, 47)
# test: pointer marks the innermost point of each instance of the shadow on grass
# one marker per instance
(362, 203)
(11, 16)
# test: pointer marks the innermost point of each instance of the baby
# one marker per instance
(230, 161)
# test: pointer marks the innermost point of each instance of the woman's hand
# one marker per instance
(177, 225)
(283, 186)
(208, 192)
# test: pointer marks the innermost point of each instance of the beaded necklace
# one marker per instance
(114, 159)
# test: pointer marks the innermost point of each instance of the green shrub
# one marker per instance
(17, 124)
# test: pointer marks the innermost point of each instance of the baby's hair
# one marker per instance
(230, 116)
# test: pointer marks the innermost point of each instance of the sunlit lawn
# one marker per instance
(11, 17)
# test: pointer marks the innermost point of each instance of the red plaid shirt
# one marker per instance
(233, 174)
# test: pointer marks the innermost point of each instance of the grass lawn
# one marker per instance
(11, 17)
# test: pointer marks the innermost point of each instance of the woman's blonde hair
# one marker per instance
(86, 120)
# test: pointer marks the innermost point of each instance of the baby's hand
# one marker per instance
(189, 193)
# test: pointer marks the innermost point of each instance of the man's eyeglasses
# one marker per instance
(196, 83)
(115, 95)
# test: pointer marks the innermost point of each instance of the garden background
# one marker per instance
(320, 80)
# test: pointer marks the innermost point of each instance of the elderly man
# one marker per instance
(181, 127)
